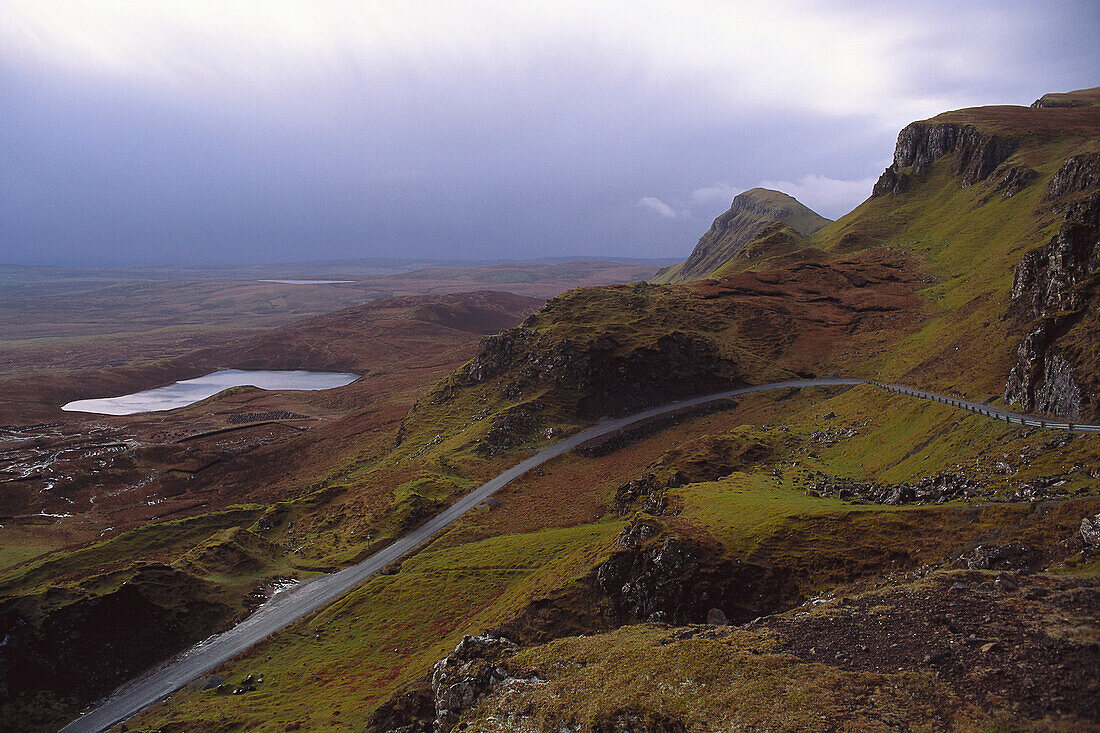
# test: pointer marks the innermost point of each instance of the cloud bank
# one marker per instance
(203, 130)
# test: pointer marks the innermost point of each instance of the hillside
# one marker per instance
(747, 218)
(840, 557)
(147, 527)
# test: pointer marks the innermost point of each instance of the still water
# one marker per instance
(190, 391)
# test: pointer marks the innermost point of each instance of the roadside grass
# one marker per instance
(329, 671)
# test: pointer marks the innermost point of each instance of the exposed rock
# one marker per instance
(679, 582)
(495, 353)
(511, 429)
(1078, 173)
(1090, 532)
(1052, 284)
(977, 154)
(749, 215)
(891, 181)
(1012, 556)
(600, 376)
(1047, 279)
(636, 533)
(1013, 180)
(155, 613)
(646, 492)
(935, 489)
(435, 702)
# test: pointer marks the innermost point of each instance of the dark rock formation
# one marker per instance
(85, 647)
(752, 214)
(1054, 286)
(1013, 180)
(511, 429)
(937, 489)
(647, 490)
(1011, 556)
(677, 581)
(599, 376)
(1090, 532)
(1078, 173)
(977, 154)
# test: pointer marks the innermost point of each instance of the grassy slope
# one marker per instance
(451, 588)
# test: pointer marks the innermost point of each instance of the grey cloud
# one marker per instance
(546, 151)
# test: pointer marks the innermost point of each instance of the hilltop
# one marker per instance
(749, 216)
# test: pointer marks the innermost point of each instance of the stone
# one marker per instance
(1048, 285)
(715, 617)
(465, 676)
(1011, 556)
(1090, 532)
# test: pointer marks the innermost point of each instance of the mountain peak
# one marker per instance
(749, 214)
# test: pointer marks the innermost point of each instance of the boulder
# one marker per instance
(1090, 532)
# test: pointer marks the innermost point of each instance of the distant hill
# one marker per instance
(748, 216)
(1078, 98)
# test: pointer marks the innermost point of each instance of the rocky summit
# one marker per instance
(750, 214)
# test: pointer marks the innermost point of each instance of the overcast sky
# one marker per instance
(159, 132)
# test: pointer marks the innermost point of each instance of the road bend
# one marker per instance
(290, 605)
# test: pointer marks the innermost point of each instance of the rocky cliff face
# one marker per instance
(599, 375)
(86, 646)
(677, 581)
(977, 154)
(1078, 173)
(1055, 289)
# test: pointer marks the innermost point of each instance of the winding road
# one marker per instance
(289, 606)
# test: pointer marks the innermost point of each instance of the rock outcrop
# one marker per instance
(677, 581)
(600, 376)
(64, 645)
(1078, 173)
(1054, 288)
(435, 702)
(977, 154)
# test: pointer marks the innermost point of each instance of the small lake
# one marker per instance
(190, 391)
(308, 282)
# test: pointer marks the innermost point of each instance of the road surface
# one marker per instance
(291, 605)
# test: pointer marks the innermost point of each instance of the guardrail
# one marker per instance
(993, 412)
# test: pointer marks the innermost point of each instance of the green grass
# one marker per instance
(734, 683)
(330, 670)
(14, 553)
(164, 541)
